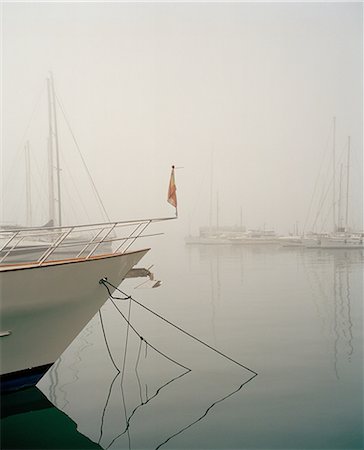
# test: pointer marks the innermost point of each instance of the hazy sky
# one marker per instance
(245, 91)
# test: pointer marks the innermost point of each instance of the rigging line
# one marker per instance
(325, 194)
(75, 186)
(107, 344)
(316, 183)
(148, 343)
(322, 202)
(20, 145)
(323, 223)
(40, 197)
(75, 212)
(206, 412)
(83, 161)
(103, 281)
(17, 200)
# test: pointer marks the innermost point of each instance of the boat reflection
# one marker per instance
(30, 421)
(137, 394)
(332, 298)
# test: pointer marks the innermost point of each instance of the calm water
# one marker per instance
(292, 316)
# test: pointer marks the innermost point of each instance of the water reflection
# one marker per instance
(343, 343)
(294, 316)
(332, 297)
(148, 386)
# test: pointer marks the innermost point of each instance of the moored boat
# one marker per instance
(255, 237)
(46, 301)
(337, 241)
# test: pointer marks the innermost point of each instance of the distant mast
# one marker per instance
(53, 139)
(347, 187)
(28, 185)
(50, 158)
(217, 212)
(333, 173)
(211, 184)
(339, 215)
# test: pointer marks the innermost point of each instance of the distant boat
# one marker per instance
(265, 237)
(337, 241)
(290, 241)
(215, 235)
(342, 237)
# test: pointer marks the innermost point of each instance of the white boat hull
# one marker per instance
(254, 241)
(44, 308)
(206, 240)
(335, 243)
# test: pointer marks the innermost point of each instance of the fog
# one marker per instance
(240, 96)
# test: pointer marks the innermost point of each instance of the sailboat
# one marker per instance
(27, 250)
(215, 234)
(342, 236)
(46, 300)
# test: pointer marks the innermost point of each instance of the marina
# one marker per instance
(141, 399)
(181, 226)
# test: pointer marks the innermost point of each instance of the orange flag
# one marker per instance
(172, 196)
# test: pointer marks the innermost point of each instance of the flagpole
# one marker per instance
(172, 195)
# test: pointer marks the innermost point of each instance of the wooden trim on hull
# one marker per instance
(34, 265)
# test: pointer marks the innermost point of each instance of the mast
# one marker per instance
(28, 185)
(211, 174)
(339, 219)
(347, 187)
(333, 173)
(50, 157)
(58, 170)
(217, 212)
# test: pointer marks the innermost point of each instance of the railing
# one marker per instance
(42, 245)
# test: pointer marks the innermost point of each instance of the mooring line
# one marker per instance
(126, 342)
(104, 282)
(122, 371)
(148, 343)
